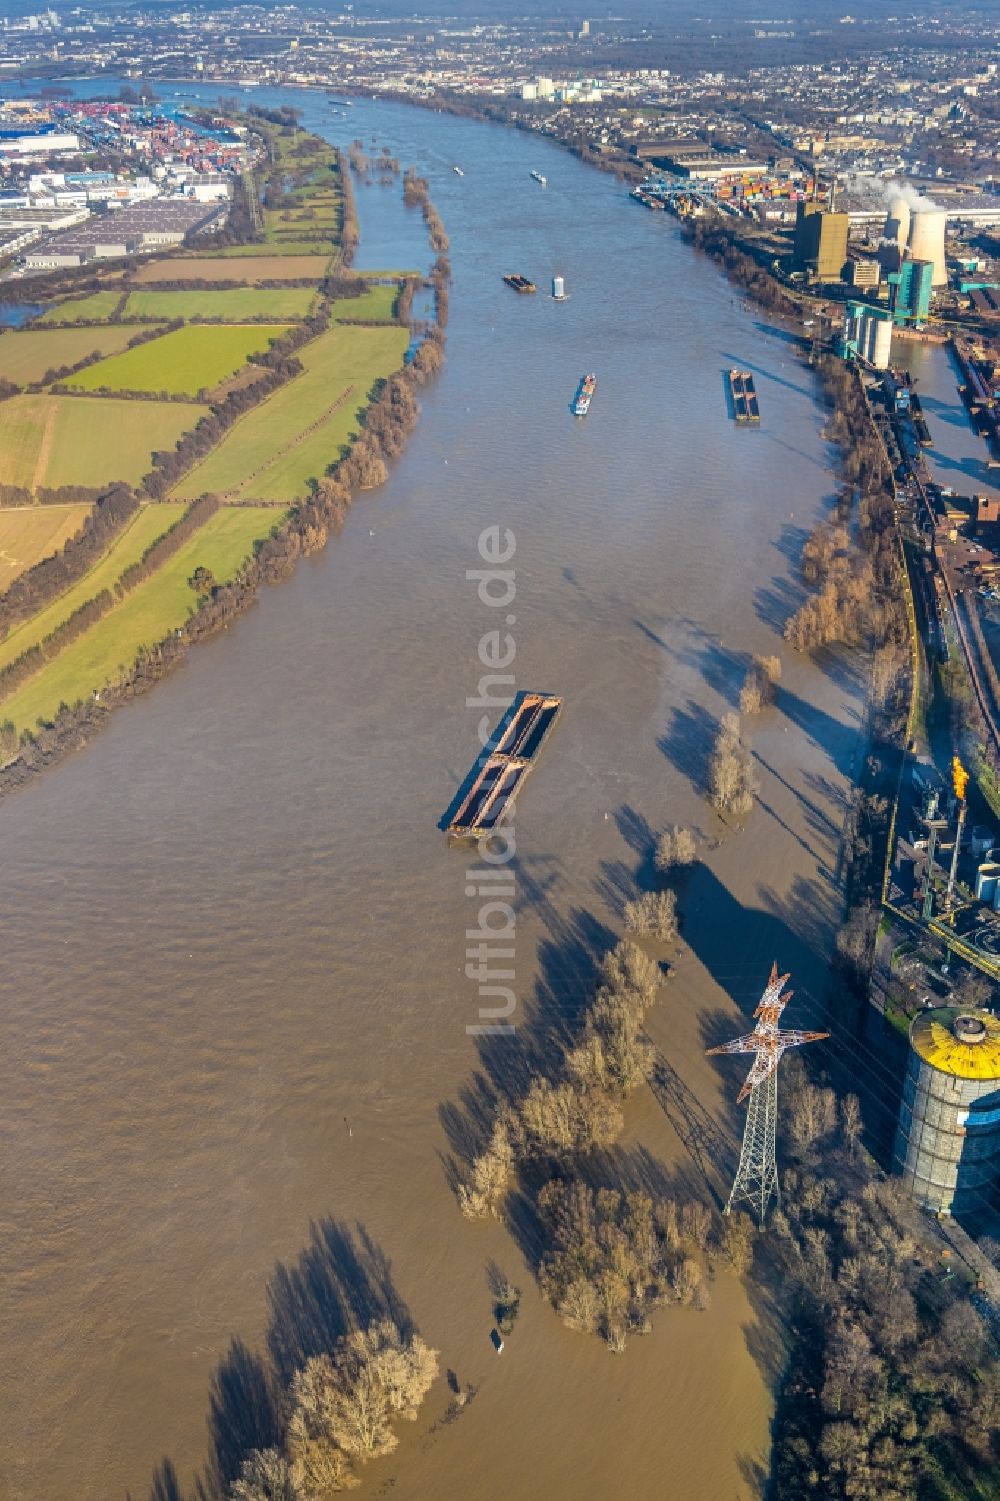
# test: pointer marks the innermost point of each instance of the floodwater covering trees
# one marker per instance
(340, 1411)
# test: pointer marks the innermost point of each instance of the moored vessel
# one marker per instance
(519, 283)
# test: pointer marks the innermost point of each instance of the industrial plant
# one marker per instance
(948, 1143)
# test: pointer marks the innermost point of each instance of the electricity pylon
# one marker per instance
(757, 1175)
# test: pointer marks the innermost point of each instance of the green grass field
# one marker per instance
(307, 247)
(98, 306)
(294, 436)
(78, 440)
(30, 533)
(261, 266)
(148, 524)
(182, 363)
(146, 616)
(27, 354)
(377, 302)
(233, 304)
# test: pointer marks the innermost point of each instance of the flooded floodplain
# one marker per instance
(235, 1035)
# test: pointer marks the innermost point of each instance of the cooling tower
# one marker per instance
(926, 241)
(948, 1142)
(897, 225)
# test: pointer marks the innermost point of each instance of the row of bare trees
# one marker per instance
(853, 565)
(35, 588)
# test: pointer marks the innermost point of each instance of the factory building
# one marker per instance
(820, 242)
(865, 273)
(868, 335)
(948, 1143)
(910, 292)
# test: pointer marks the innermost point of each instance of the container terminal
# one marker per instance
(744, 394)
(516, 745)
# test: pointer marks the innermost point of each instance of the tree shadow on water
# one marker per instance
(242, 1410)
(340, 1282)
(688, 742)
(546, 1024)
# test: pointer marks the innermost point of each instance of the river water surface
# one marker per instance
(235, 1054)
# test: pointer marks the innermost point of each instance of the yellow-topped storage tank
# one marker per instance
(948, 1142)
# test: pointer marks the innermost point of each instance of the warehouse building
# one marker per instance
(154, 225)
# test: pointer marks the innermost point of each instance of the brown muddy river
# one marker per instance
(235, 1043)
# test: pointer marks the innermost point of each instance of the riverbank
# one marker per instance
(264, 439)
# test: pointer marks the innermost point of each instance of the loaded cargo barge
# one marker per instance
(744, 394)
(584, 395)
(920, 427)
(500, 774)
(520, 283)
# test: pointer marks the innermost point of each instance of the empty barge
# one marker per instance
(499, 775)
(744, 394)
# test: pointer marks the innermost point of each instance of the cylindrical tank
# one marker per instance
(558, 288)
(897, 224)
(881, 343)
(987, 881)
(926, 241)
(948, 1142)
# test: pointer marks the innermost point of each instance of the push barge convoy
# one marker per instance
(499, 776)
(520, 283)
(584, 395)
(744, 394)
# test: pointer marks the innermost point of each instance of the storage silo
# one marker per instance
(948, 1142)
(880, 339)
(926, 241)
(897, 224)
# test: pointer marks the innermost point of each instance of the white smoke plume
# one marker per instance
(884, 190)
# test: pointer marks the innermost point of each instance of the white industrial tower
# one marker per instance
(757, 1175)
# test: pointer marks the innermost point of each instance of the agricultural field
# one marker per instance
(296, 249)
(181, 363)
(77, 440)
(234, 304)
(27, 354)
(127, 548)
(294, 436)
(97, 308)
(256, 265)
(30, 533)
(146, 616)
(378, 303)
